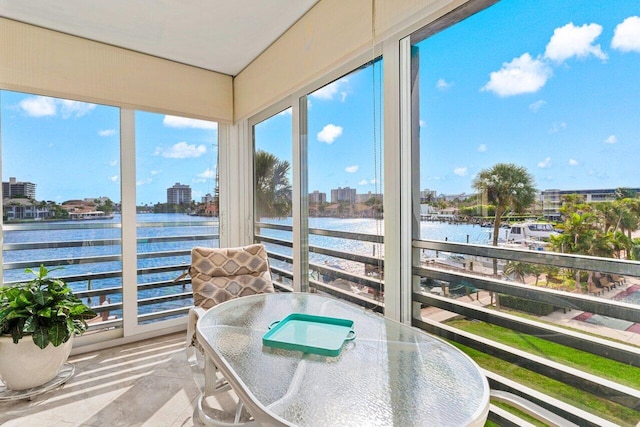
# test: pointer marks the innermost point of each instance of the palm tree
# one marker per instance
(273, 189)
(519, 269)
(506, 186)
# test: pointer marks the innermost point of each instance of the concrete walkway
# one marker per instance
(566, 319)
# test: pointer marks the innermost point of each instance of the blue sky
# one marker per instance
(552, 85)
(71, 150)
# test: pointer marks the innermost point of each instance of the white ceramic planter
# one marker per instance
(25, 365)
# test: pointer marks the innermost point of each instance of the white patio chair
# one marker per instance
(218, 275)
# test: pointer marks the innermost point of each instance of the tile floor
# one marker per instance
(148, 383)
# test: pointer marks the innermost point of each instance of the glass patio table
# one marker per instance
(390, 374)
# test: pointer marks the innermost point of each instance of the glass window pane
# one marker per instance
(346, 182)
(177, 205)
(528, 140)
(272, 191)
(61, 196)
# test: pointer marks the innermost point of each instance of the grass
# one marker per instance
(587, 362)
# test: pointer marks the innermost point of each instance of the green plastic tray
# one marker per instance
(310, 334)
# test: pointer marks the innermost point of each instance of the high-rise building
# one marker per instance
(179, 194)
(15, 188)
(317, 197)
(343, 195)
(364, 198)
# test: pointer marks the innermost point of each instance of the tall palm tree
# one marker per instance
(273, 189)
(506, 186)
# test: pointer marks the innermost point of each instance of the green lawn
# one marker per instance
(614, 371)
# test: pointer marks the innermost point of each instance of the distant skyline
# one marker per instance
(551, 85)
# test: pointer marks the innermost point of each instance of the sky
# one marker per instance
(551, 85)
(70, 150)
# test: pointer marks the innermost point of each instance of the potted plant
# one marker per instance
(38, 321)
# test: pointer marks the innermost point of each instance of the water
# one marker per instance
(78, 259)
(169, 227)
(460, 233)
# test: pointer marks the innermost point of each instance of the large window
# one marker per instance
(345, 183)
(177, 207)
(61, 196)
(273, 160)
(526, 124)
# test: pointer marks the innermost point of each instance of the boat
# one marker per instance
(530, 231)
(79, 216)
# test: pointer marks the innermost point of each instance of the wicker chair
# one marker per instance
(218, 275)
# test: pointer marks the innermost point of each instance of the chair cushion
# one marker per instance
(221, 274)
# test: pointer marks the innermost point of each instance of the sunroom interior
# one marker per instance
(143, 65)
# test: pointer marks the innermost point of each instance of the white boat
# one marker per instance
(79, 216)
(530, 231)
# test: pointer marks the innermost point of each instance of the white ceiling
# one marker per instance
(219, 35)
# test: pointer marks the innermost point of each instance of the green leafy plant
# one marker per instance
(44, 308)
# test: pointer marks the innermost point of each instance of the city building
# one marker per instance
(453, 197)
(346, 195)
(427, 195)
(15, 188)
(364, 198)
(208, 198)
(317, 197)
(552, 199)
(178, 194)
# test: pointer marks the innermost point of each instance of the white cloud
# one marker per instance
(143, 181)
(38, 106)
(461, 171)
(184, 122)
(537, 105)
(521, 75)
(363, 182)
(329, 133)
(43, 106)
(482, 148)
(113, 163)
(546, 163)
(352, 169)
(107, 132)
(557, 127)
(612, 139)
(626, 36)
(208, 174)
(181, 150)
(113, 178)
(422, 123)
(74, 108)
(154, 172)
(443, 85)
(569, 41)
(329, 91)
(573, 162)
(367, 182)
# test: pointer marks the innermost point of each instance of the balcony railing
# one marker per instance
(356, 277)
(88, 256)
(621, 398)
